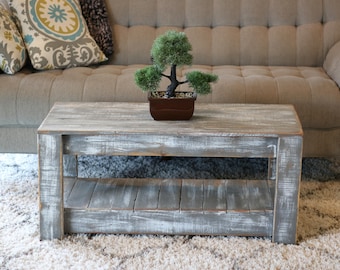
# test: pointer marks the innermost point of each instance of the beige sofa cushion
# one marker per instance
(230, 32)
(299, 86)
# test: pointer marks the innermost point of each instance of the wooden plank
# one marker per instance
(272, 168)
(259, 195)
(169, 195)
(102, 195)
(215, 195)
(168, 222)
(208, 120)
(192, 195)
(51, 194)
(70, 163)
(68, 186)
(81, 193)
(112, 194)
(288, 177)
(272, 186)
(148, 194)
(155, 144)
(237, 195)
(123, 194)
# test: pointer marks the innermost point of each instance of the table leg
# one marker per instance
(51, 201)
(70, 164)
(288, 176)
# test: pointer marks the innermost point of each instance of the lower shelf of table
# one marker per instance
(169, 206)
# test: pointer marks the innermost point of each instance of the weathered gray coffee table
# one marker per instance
(170, 206)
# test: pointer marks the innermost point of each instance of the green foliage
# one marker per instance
(148, 78)
(171, 49)
(200, 81)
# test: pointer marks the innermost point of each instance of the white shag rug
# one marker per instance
(20, 248)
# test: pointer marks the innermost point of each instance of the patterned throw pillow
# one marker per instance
(12, 48)
(96, 17)
(56, 34)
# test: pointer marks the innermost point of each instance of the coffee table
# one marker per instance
(266, 208)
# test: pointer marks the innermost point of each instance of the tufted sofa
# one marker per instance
(264, 51)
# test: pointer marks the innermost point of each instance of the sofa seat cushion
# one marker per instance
(313, 93)
(28, 96)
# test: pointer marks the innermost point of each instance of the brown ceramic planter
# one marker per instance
(179, 108)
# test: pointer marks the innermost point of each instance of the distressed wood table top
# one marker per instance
(208, 120)
(170, 206)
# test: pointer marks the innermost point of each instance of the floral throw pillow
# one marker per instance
(55, 34)
(97, 19)
(12, 48)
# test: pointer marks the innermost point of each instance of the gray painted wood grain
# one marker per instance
(168, 206)
(51, 192)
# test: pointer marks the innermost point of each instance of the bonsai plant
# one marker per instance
(172, 49)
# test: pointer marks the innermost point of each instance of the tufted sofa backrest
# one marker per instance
(229, 32)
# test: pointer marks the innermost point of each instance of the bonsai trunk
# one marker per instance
(170, 91)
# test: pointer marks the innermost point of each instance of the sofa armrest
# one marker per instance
(332, 63)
